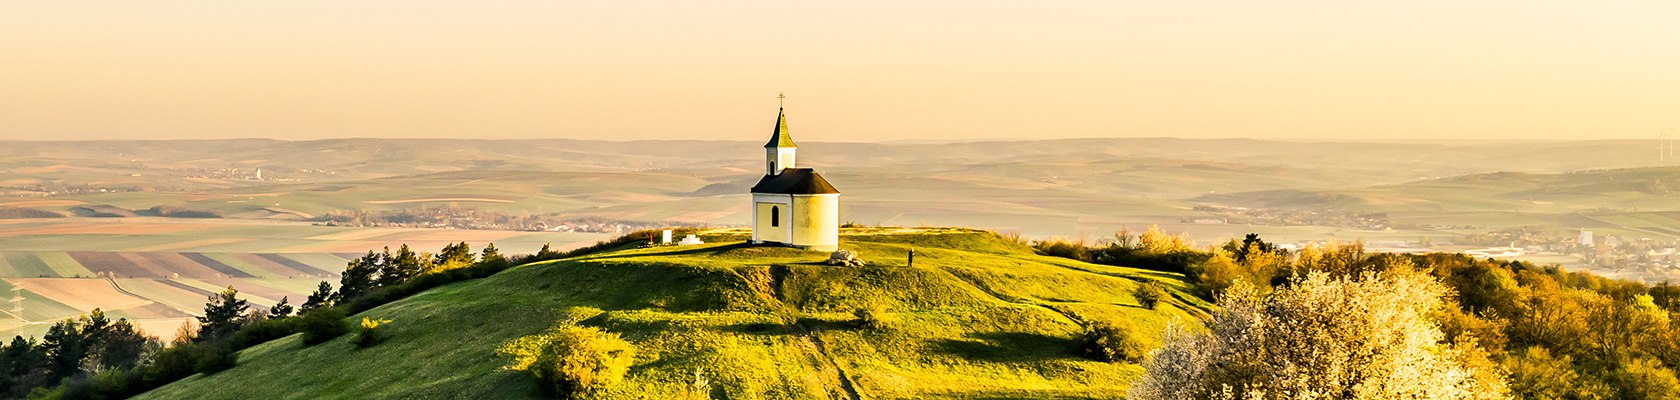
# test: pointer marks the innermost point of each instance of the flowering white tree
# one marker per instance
(1369, 337)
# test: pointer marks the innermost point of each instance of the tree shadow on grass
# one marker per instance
(759, 328)
(804, 325)
(684, 251)
(1009, 347)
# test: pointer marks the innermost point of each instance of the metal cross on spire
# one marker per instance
(781, 99)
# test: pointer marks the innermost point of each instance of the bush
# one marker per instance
(1108, 342)
(1149, 294)
(322, 324)
(872, 317)
(370, 334)
(1178, 261)
(115, 383)
(571, 361)
(178, 212)
(215, 358)
(173, 363)
(262, 330)
(1063, 249)
(1645, 378)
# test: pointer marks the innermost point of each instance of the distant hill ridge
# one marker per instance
(1647, 188)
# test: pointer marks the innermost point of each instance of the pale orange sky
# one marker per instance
(853, 71)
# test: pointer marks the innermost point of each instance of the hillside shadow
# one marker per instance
(1012, 394)
(680, 251)
(759, 329)
(1158, 275)
(1008, 347)
(804, 325)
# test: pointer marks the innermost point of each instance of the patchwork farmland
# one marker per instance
(158, 272)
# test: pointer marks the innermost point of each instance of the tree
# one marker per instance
(186, 333)
(222, 315)
(491, 255)
(1535, 374)
(1337, 259)
(358, 278)
(1644, 378)
(545, 253)
(1155, 241)
(281, 309)
(1366, 336)
(399, 268)
(122, 346)
(25, 365)
(454, 255)
(64, 349)
(323, 297)
(1216, 274)
(1250, 245)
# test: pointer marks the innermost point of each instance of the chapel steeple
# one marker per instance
(779, 152)
(779, 137)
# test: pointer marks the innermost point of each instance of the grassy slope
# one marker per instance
(976, 317)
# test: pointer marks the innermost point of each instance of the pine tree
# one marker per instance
(358, 276)
(94, 326)
(222, 315)
(121, 347)
(281, 309)
(492, 255)
(399, 268)
(545, 253)
(454, 255)
(64, 350)
(323, 297)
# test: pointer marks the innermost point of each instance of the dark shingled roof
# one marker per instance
(780, 137)
(795, 181)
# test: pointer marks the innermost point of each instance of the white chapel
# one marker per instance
(793, 206)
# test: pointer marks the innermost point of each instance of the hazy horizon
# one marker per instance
(872, 72)
(1442, 141)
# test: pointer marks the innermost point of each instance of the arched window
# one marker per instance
(775, 216)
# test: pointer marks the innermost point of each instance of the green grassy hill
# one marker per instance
(977, 316)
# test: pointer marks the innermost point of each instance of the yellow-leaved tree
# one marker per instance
(1367, 336)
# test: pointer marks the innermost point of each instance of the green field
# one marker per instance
(976, 317)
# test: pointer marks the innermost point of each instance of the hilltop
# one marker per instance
(976, 316)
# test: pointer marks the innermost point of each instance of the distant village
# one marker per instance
(472, 218)
(1274, 217)
(1645, 259)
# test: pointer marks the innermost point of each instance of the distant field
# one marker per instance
(166, 235)
(159, 272)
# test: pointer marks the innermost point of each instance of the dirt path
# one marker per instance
(816, 341)
(119, 289)
(778, 274)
